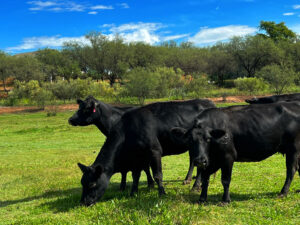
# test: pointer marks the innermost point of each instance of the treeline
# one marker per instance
(271, 57)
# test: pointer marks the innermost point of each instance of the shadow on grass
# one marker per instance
(146, 199)
(46, 195)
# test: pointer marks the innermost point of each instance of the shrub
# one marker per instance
(278, 77)
(141, 83)
(250, 84)
(168, 79)
(198, 86)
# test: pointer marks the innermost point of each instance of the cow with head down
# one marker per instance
(220, 137)
(103, 116)
(138, 140)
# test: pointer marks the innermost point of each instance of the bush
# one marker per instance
(198, 85)
(141, 83)
(278, 77)
(250, 84)
(168, 79)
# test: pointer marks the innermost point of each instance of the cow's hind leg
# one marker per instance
(123, 181)
(149, 177)
(291, 168)
(156, 152)
(136, 174)
(188, 177)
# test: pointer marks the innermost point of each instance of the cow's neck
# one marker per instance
(108, 115)
(110, 152)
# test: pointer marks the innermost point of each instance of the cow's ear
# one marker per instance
(82, 167)
(220, 136)
(79, 101)
(178, 132)
(99, 169)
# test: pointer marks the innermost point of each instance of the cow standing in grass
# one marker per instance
(220, 137)
(103, 116)
(138, 140)
(274, 98)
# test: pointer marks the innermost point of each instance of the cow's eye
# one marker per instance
(92, 185)
(208, 140)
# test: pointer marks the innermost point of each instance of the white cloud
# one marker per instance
(135, 32)
(288, 14)
(213, 35)
(101, 7)
(65, 6)
(43, 3)
(124, 5)
(175, 37)
(43, 42)
(296, 6)
(93, 13)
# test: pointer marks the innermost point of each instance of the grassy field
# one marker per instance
(40, 183)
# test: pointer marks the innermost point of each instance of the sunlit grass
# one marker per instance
(40, 183)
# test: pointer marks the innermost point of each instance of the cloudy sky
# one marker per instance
(30, 25)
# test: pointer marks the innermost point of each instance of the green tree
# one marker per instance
(277, 31)
(251, 53)
(28, 68)
(278, 77)
(141, 83)
(6, 64)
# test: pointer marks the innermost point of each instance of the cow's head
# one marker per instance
(94, 182)
(201, 141)
(86, 114)
(252, 100)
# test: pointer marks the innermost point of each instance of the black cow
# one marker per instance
(220, 137)
(104, 116)
(139, 140)
(274, 98)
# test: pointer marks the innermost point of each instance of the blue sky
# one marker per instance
(30, 25)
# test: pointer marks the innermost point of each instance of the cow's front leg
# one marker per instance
(123, 181)
(225, 179)
(149, 177)
(197, 184)
(136, 174)
(205, 182)
(188, 177)
(291, 168)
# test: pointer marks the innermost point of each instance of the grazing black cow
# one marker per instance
(274, 98)
(139, 140)
(220, 137)
(104, 116)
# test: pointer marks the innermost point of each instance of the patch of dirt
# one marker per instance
(73, 107)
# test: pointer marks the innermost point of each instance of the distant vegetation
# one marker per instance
(268, 62)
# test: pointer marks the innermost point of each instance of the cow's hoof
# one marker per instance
(202, 201)
(151, 185)
(282, 195)
(122, 188)
(186, 182)
(196, 188)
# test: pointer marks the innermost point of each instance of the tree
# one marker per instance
(278, 77)
(5, 68)
(276, 31)
(28, 68)
(116, 59)
(221, 65)
(252, 53)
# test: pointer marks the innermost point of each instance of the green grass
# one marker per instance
(40, 183)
